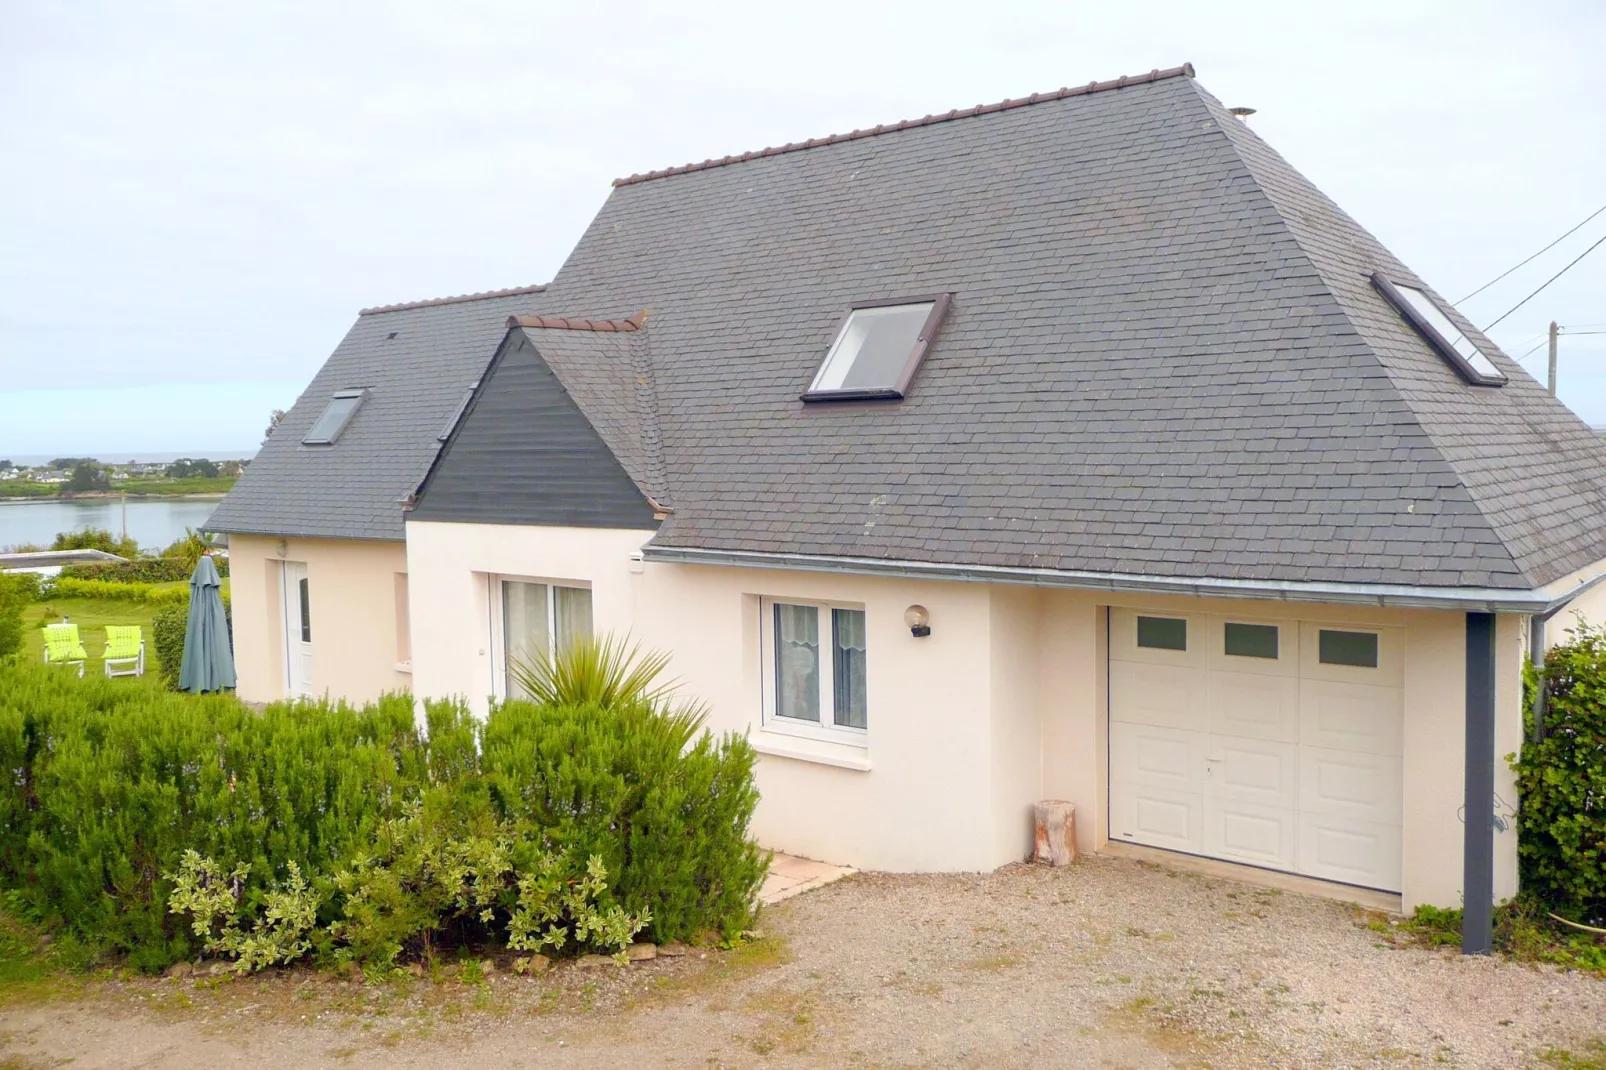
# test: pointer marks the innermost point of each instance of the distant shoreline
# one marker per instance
(110, 496)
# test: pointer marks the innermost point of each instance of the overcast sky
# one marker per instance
(196, 198)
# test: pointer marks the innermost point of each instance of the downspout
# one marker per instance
(1536, 654)
(1477, 927)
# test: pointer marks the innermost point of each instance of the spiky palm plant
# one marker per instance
(615, 674)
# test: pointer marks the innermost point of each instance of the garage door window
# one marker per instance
(1163, 633)
(1251, 640)
(1348, 648)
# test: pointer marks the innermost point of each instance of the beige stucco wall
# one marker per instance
(357, 639)
(1003, 704)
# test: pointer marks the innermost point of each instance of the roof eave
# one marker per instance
(1465, 599)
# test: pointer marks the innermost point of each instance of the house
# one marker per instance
(51, 562)
(1069, 447)
(318, 564)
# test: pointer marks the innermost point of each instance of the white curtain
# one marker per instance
(571, 610)
(524, 628)
(848, 668)
(797, 662)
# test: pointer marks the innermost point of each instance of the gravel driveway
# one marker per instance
(1110, 963)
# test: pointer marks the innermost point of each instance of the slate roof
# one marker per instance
(1163, 357)
(417, 360)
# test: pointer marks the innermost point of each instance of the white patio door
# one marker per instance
(297, 617)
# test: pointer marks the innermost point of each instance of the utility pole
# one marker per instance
(1554, 330)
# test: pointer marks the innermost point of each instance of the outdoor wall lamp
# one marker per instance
(918, 620)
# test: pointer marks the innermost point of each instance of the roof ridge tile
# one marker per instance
(567, 323)
(430, 302)
(1156, 75)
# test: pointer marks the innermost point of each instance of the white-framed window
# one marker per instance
(816, 665)
(534, 618)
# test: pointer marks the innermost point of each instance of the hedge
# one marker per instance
(141, 570)
(158, 824)
(169, 625)
(14, 594)
(31, 585)
(1561, 781)
(108, 590)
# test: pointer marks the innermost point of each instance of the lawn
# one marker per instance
(91, 615)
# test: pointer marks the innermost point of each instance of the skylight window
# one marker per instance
(1432, 323)
(878, 349)
(336, 415)
(457, 413)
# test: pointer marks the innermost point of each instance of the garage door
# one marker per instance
(1274, 743)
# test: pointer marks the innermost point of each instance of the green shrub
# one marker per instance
(1561, 781)
(156, 824)
(610, 764)
(278, 936)
(29, 586)
(170, 624)
(70, 587)
(14, 593)
(115, 779)
(1523, 929)
(140, 570)
(96, 539)
(167, 596)
(168, 628)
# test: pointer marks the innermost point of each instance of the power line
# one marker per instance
(1531, 352)
(1541, 252)
(1599, 242)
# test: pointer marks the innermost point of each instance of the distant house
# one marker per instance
(316, 553)
(1071, 447)
(51, 562)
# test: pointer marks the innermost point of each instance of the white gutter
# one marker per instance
(1466, 599)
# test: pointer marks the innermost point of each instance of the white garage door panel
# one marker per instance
(1164, 695)
(1157, 757)
(1341, 783)
(1255, 835)
(1252, 770)
(1156, 816)
(1355, 852)
(1284, 763)
(1357, 717)
(1260, 707)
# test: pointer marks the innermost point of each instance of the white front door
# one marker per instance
(297, 616)
(1274, 743)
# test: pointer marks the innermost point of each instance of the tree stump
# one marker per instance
(1055, 839)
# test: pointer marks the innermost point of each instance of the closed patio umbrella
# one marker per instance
(208, 658)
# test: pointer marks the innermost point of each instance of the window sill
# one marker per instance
(809, 750)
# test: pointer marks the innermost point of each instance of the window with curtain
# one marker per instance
(848, 670)
(797, 662)
(540, 620)
(818, 669)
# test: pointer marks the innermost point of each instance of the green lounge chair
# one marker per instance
(63, 647)
(125, 650)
